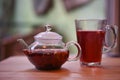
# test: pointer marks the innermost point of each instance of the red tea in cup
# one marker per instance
(91, 43)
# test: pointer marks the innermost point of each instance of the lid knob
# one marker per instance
(48, 27)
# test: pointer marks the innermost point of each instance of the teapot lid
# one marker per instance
(48, 35)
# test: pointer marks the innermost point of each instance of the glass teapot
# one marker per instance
(48, 51)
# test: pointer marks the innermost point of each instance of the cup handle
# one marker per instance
(68, 44)
(114, 29)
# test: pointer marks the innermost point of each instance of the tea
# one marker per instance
(91, 43)
(47, 58)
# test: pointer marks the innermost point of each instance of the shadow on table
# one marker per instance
(56, 70)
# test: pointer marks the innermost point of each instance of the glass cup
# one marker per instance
(92, 36)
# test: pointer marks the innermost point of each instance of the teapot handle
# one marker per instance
(68, 44)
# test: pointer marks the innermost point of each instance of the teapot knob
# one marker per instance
(48, 27)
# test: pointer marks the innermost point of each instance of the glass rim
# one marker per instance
(90, 19)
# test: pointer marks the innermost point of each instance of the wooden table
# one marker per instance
(19, 68)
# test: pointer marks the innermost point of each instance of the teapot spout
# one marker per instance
(23, 43)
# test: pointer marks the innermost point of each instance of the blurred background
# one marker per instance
(25, 18)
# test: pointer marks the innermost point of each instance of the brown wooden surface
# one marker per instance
(19, 68)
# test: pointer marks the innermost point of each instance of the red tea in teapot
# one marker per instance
(47, 58)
